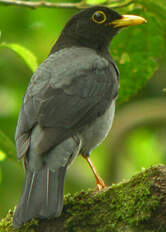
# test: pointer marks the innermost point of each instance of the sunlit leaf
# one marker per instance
(7, 147)
(95, 2)
(2, 156)
(109, 3)
(28, 57)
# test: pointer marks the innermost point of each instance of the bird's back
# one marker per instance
(66, 93)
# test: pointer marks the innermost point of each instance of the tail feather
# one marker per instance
(52, 199)
(42, 196)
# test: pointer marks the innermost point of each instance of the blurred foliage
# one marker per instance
(141, 148)
(7, 146)
(31, 34)
(25, 54)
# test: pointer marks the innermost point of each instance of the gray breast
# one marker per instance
(94, 134)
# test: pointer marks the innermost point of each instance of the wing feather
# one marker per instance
(63, 97)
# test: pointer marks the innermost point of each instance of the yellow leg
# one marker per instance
(99, 182)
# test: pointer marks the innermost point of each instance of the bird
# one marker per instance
(68, 109)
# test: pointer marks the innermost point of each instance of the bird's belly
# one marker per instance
(96, 132)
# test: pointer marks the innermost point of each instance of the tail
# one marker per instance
(42, 196)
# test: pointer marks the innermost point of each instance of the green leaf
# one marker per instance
(7, 147)
(137, 50)
(2, 156)
(157, 8)
(95, 2)
(28, 57)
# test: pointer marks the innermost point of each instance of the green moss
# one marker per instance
(6, 224)
(125, 207)
(129, 203)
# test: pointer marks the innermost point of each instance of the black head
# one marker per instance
(94, 28)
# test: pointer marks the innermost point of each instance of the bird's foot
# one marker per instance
(100, 185)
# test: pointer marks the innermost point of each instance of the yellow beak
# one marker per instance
(128, 20)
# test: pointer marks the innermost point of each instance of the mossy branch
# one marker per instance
(136, 205)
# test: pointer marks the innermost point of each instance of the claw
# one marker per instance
(100, 185)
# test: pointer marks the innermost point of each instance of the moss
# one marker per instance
(129, 203)
(6, 224)
(127, 207)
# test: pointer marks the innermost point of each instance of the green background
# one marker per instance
(137, 139)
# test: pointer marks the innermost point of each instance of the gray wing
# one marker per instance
(67, 92)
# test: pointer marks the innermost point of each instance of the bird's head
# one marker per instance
(94, 27)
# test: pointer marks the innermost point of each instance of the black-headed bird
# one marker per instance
(68, 109)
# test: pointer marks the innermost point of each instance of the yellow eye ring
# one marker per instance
(99, 17)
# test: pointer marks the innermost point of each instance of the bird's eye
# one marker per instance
(99, 17)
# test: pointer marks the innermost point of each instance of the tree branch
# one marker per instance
(79, 5)
(136, 205)
(38, 4)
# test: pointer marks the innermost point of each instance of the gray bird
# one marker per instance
(68, 109)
